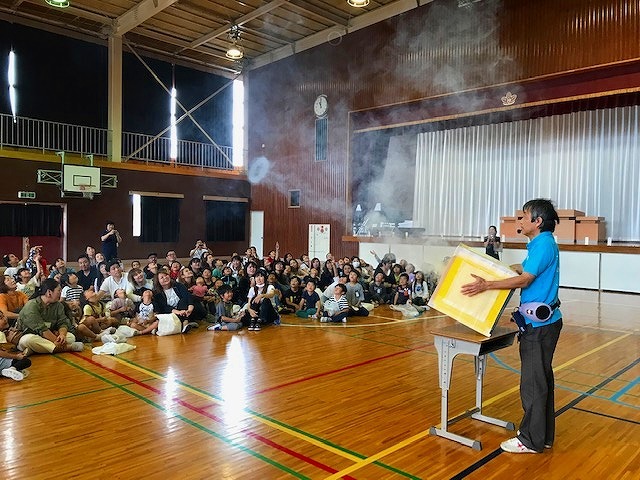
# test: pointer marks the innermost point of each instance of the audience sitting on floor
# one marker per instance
(91, 303)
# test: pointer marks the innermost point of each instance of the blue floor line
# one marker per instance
(625, 389)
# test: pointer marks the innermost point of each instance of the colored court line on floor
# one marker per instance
(392, 321)
(493, 399)
(277, 425)
(571, 405)
(44, 402)
(331, 372)
(184, 419)
(625, 389)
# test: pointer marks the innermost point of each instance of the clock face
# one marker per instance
(320, 106)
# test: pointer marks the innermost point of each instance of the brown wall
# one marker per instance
(86, 218)
(388, 72)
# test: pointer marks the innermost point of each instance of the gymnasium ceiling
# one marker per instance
(195, 33)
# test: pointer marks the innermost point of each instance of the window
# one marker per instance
(226, 220)
(322, 138)
(156, 216)
(294, 198)
(238, 127)
(31, 220)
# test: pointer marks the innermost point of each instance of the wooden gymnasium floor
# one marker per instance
(309, 400)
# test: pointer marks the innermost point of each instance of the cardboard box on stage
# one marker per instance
(566, 229)
(508, 228)
(480, 312)
(592, 227)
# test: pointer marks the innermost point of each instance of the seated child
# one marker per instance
(94, 324)
(337, 306)
(292, 297)
(145, 320)
(403, 290)
(14, 364)
(379, 290)
(120, 307)
(310, 305)
(199, 290)
(225, 318)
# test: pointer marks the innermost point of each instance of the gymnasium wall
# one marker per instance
(86, 218)
(437, 62)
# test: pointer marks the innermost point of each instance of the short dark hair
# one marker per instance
(84, 255)
(543, 208)
(112, 263)
(46, 285)
(224, 289)
(342, 287)
(152, 254)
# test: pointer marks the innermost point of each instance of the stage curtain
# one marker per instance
(467, 178)
(29, 220)
(160, 219)
(226, 221)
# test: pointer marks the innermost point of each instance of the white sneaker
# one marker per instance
(12, 373)
(325, 319)
(513, 445)
(108, 338)
(77, 347)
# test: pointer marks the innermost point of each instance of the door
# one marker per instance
(257, 231)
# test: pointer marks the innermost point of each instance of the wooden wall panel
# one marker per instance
(434, 50)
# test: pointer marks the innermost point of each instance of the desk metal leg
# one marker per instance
(480, 367)
(447, 349)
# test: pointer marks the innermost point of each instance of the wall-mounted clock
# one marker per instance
(320, 106)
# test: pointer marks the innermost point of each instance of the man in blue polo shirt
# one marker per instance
(539, 278)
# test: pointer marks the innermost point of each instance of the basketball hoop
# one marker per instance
(83, 189)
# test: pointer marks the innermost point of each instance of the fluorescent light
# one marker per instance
(173, 135)
(11, 77)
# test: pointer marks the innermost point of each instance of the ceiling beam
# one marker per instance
(258, 12)
(356, 23)
(142, 12)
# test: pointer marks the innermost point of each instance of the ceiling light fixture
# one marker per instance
(58, 3)
(235, 51)
(358, 3)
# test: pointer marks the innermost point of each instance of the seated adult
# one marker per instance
(138, 283)
(45, 324)
(260, 309)
(12, 263)
(11, 302)
(170, 258)
(87, 273)
(114, 281)
(26, 283)
(170, 296)
(59, 267)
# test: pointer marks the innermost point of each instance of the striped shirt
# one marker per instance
(71, 294)
(333, 305)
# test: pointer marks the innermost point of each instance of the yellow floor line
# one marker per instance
(363, 463)
(257, 418)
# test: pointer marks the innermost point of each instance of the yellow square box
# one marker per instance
(480, 312)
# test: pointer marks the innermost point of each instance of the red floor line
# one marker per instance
(331, 372)
(204, 413)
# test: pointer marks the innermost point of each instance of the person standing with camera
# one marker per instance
(110, 242)
(539, 279)
(492, 244)
(199, 250)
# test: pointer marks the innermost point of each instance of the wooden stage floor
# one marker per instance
(311, 400)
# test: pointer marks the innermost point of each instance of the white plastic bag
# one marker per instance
(168, 324)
